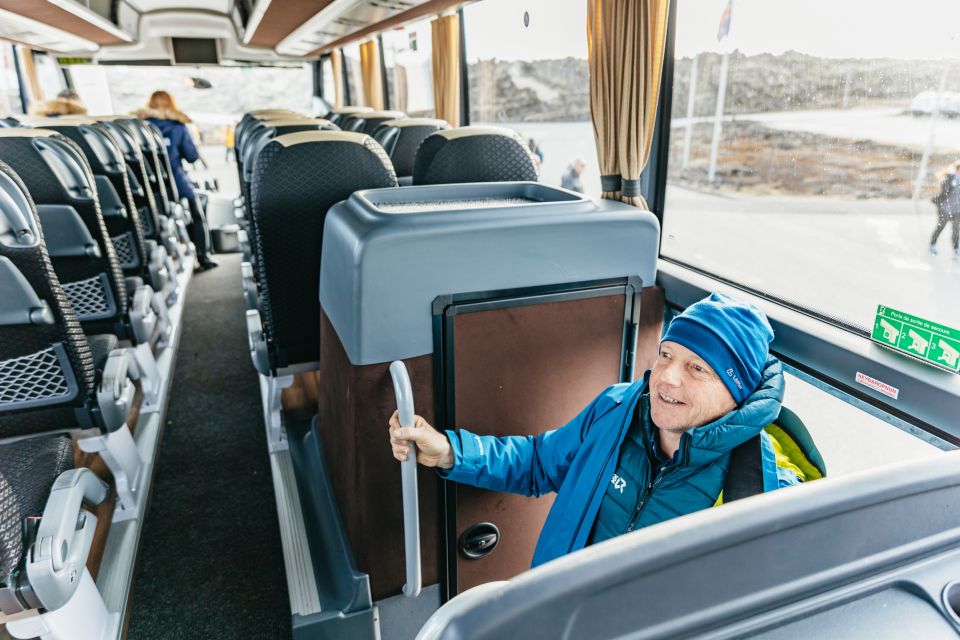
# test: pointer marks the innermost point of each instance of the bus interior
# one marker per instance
(484, 213)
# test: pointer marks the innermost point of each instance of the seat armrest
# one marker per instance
(116, 391)
(59, 554)
(257, 342)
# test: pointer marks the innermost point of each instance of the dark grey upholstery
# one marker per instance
(255, 144)
(296, 179)
(38, 361)
(137, 176)
(473, 154)
(106, 159)
(401, 139)
(28, 470)
(94, 284)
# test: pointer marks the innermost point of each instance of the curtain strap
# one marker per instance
(630, 188)
(610, 183)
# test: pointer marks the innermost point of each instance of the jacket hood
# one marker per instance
(162, 114)
(709, 442)
(58, 107)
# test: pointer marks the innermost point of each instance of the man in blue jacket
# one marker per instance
(639, 453)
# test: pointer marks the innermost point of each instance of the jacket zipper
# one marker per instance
(599, 477)
(651, 486)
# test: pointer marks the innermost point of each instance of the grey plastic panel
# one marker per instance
(65, 164)
(111, 206)
(870, 552)
(64, 232)
(17, 226)
(381, 271)
(19, 303)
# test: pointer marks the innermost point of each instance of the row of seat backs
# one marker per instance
(57, 175)
(297, 177)
(47, 368)
(114, 191)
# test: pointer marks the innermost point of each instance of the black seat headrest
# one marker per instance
(473, 154)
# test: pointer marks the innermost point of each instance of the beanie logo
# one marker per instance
(735, 379)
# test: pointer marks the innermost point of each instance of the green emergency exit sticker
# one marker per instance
(923, 339)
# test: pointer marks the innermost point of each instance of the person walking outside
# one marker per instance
(948, 208)
(162, 111)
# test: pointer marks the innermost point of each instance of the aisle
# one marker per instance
(211, 565)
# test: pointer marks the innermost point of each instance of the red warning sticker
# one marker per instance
(876, 385)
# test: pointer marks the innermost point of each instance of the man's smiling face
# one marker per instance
(684, 391)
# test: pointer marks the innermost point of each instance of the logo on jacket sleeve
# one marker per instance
(618, 483)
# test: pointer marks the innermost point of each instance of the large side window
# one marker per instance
(48, 75)
(528, 71)
(354, 77)
(808, 144)
(328, 90)
(9, 86)
(408, 58)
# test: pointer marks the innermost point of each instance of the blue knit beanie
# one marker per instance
(731, 336)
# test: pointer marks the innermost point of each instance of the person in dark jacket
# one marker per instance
(163, 112)
(639, 453)
(948, 208)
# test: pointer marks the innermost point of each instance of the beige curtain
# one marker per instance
(30, 72)
(398, 95)
(336, 61)
(445, 31)
(371, 74)
(625, 40)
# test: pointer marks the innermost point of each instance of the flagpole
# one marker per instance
(690, 103)
(718, 118)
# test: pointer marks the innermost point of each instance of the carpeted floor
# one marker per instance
(211, 565)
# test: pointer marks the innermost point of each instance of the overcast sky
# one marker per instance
(923, 29)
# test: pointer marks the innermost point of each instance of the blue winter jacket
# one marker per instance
(578, 460)
(179, 146)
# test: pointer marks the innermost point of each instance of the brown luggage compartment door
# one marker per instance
(520, 363)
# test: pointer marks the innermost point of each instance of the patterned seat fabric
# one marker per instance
(28, 469)
(255, 145)
(401, 139)
(137, 175)
(94, 285)
(473, 154)
(297, 178)
(38, 361)
(106, 159)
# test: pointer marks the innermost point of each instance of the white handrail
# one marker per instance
(408, 476)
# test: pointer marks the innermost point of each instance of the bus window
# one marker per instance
(354, 79)
(849, 438)
(9, 85)
(528, 71)
(48, 75)
(408, 58)
(804, 154)
(329, 88)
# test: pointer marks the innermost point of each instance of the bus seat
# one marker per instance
(55, 173)
(473, 154)
(337, 114)
(370, 120)
(116, 197)
(401, 139)
(290, 199)
(52, 377)
(255, 144)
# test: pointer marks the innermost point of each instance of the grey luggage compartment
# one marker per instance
(867, 555)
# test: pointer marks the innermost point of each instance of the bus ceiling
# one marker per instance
(202, 31)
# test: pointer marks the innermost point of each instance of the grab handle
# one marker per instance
(408, 477)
